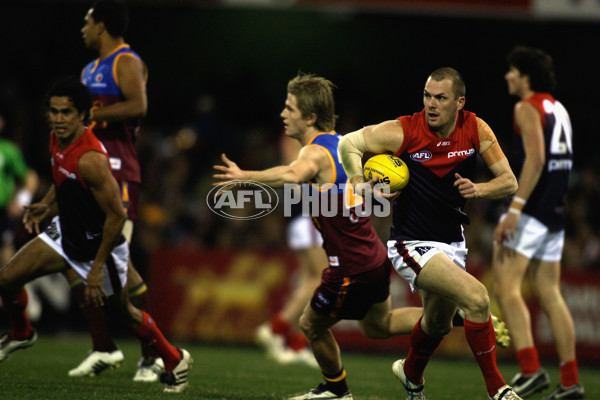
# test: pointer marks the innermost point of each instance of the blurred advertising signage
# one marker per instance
(482, 4)
(223, 295)
(567, 9)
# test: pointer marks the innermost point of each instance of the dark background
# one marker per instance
(243, 58)
(220, 74)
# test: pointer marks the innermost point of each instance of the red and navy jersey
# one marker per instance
(430, 207)
(547, 203)
(81, 218)
(100, 76)
(350, 241)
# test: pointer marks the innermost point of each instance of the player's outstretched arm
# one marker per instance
(304, 168)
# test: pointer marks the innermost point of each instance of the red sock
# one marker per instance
(280, 326)
(528, 360)
(16, 306)
(482, 340)
(140, 298)
(422, 347)
(296, 341)
(96, 320)
(150, 335)
(569, 374)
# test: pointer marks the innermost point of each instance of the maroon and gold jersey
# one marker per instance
(118, 137)
(350, 241)
(81, 218)
(430, 207)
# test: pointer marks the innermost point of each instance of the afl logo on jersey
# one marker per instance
(99, 77)
(421, 156)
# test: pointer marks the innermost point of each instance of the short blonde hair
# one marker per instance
(314, 95)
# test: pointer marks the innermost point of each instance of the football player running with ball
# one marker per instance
(355, 285)
(427, 245)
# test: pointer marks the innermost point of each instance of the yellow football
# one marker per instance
(390, 170)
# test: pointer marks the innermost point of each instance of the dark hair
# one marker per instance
(458, 83)
(537, 65)
(71, 87)
(114, 14)
(315, 96)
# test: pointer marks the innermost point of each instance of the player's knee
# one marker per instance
(306, 325)
(477, 301)
(311, 330)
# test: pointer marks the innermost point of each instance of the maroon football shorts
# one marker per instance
(351, 297)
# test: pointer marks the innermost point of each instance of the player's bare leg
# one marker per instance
(444, 286)
(509, 271)
(510, 268)
(33, 260)
(545, 277)
(382, 322)
(327, 353)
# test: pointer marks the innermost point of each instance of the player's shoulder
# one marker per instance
(527, 108)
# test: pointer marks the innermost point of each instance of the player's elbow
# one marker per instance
(117, 220)
(513, 184)
(509, 186)
(347, 142)
(142, 109)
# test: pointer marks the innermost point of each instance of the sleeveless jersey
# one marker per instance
(430, 207)
(350, 241)
(100, 76)
(547, 203)
(81, 218)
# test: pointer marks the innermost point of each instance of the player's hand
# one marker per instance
(34, 214)
(371, 188)
(466, 188)
(230, 171)
(505, 229)
(94, 290)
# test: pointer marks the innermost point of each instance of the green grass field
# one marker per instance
(221, 372)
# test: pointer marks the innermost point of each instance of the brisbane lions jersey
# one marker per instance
(430, 207)
(81, 218)
(100, 76)
(546, 203)
(350, 241)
